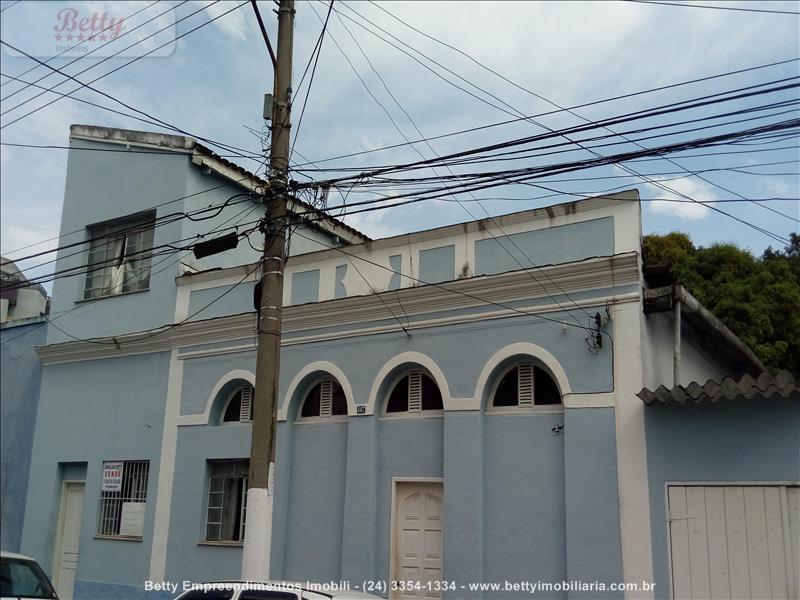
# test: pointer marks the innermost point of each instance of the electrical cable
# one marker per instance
(83, 56)
(552, 112)
(719, 7)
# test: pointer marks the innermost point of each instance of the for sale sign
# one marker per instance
(112, 476)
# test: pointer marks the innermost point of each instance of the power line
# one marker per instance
(82, 56)
(88, 85)
(414, 124)
(178, 199)
(311, 79)
(60, 71)
(416, 280)
(7, 6)
(264, 34)
(87, 302)
(717, 7)
(557, 106)
(552, 112)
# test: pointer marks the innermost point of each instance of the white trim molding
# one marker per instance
(403, 358)
(166, 469)
(510, 351)
(320, 366)
(202, 418)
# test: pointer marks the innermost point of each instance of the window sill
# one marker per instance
(553, 409)
(223, 544)
(121, 538)
(413, 416)
(107, 296)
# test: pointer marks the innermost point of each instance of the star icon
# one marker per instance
(69, 38)
(58, 37)
(81, 37)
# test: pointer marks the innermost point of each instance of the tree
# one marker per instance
(757, 298)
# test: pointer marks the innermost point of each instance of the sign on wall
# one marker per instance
(132, 520)
(112, 476)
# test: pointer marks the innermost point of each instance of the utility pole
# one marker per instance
(260, 492)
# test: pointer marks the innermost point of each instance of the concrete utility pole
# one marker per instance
(260, 492)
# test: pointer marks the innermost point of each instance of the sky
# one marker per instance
(211, 83)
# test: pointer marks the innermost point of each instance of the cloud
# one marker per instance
(682, 207)
(234, 25)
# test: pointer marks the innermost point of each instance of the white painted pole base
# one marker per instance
(257, 535)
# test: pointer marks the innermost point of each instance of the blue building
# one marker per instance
(23, 326)
(499, 401)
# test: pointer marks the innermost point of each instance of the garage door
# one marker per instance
(734, 541)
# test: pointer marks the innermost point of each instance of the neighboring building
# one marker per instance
(23, 326)
(503, 440)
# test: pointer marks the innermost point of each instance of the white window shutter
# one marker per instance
(525, 384)
(415, 392)
(246, 408)
(326, 398)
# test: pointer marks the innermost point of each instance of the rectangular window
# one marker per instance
(119, 256)
(123, 498)
(227, 501)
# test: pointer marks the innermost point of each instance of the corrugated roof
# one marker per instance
(747, 388)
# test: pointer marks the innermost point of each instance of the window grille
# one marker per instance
(227, 501)
(121, 511)
(119, 256)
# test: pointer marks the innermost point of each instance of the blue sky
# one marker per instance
(212, 81)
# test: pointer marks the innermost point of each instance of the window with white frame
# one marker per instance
(325, 399)
(119, 256)
(239, 408)
(414, 392)
(123, 498)
(227, 500)
(526, 385)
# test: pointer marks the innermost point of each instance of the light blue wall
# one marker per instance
(437, 264)
(395, 263)
(340, 291)
(739, 441)
(313, 535)
(108, 185)
(551, 245)
(305, 287)
(19, 398)
(187, 558)
(524, 511)
(110, 409)
(594, 551)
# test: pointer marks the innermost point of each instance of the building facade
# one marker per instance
(456, 405)
(23, 326)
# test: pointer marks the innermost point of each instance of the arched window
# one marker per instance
(325, 399)
(239, 408)
(524, 385)
(413, 393)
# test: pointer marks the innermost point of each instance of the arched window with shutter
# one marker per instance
(525, 385)
(414, 393)
(239, 407)
(324, 400)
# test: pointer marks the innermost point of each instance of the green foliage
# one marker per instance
(757, 298)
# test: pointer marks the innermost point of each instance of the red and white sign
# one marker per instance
(112, 476)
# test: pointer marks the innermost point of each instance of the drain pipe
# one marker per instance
(676, 335)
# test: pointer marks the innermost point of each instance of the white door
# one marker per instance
(417, 560)
(70, 527)
(735, 541)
